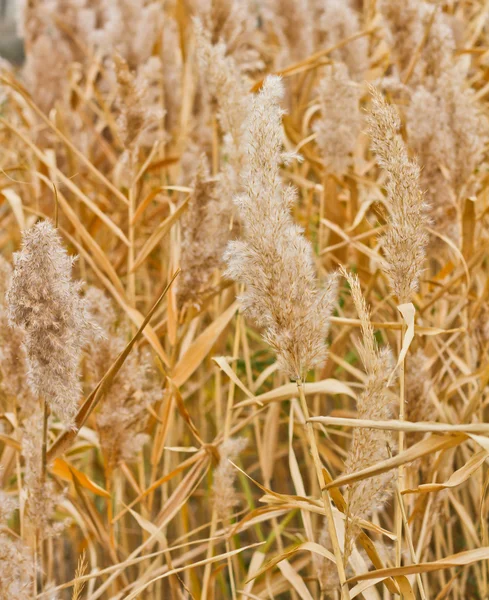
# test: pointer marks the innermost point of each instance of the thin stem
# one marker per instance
(110, 509)
(231, 572)
(409, 538)
(401, 443)
(131, 275)
(345, 593)
(45, 418)
(39, 541)
(210, 551)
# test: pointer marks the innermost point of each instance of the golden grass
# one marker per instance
(194, 511)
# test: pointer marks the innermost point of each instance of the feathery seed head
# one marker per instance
(45, 303)
(123, 415)
(340, 122)
(17, 572)
(405, 242)
(7, 506)
(205, 233)
(225, 498)
(368, 446)
(274, 259)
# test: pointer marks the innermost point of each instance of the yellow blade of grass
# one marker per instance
(407, 426)
(223, 363)
(168, 477)
(68, 472)
(8, 441)
(286, 554)
(408, 313)
(15, 202)
(137, 318)
(255, 563)
(149, 527)
(393, 326)
(285, 392)
(140, 588)
(294, 579)
(182, 492)
(403, 583)
(296, 475)
(430, 445)
(456, 478)
(455, 560)
(201, 347)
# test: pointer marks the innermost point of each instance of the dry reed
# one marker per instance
(273, 431)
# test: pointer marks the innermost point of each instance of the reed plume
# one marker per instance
(421, 38)
(273, 259)
(234, 24)
(211, 212)
(45, 303)
(122, 418)
(418, 405)
(205, 233)
(136, 121)
(292, 22)
(223, 487)
(368, 446)
(7, 506)
(339, 125)
(13, 367)
(229, 89)
(338, 20)
(17, 572)
(405, 241)
(449, 132)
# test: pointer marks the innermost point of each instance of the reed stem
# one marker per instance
(345, 593)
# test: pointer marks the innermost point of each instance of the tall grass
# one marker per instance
(244, 301)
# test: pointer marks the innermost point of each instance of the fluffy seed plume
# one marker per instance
(225, 498)
(7, 506)
(13, 366)
(449, 132)
(274, 259)
(368, 446)
(338, 20)
(17, 572)
(122, 417)
(405, 242)
(205, 233)
(136, 120)
(418, 29)
(230, 90)
(45, 303)
(340, 122)
(292, 21)
(232, 22)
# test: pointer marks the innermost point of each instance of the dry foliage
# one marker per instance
(265, 375)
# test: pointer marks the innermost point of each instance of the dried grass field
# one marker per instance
(244, 301)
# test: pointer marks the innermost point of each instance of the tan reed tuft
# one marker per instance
(45, 303)
(368, 446)
(273, 259)
(404, 243)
